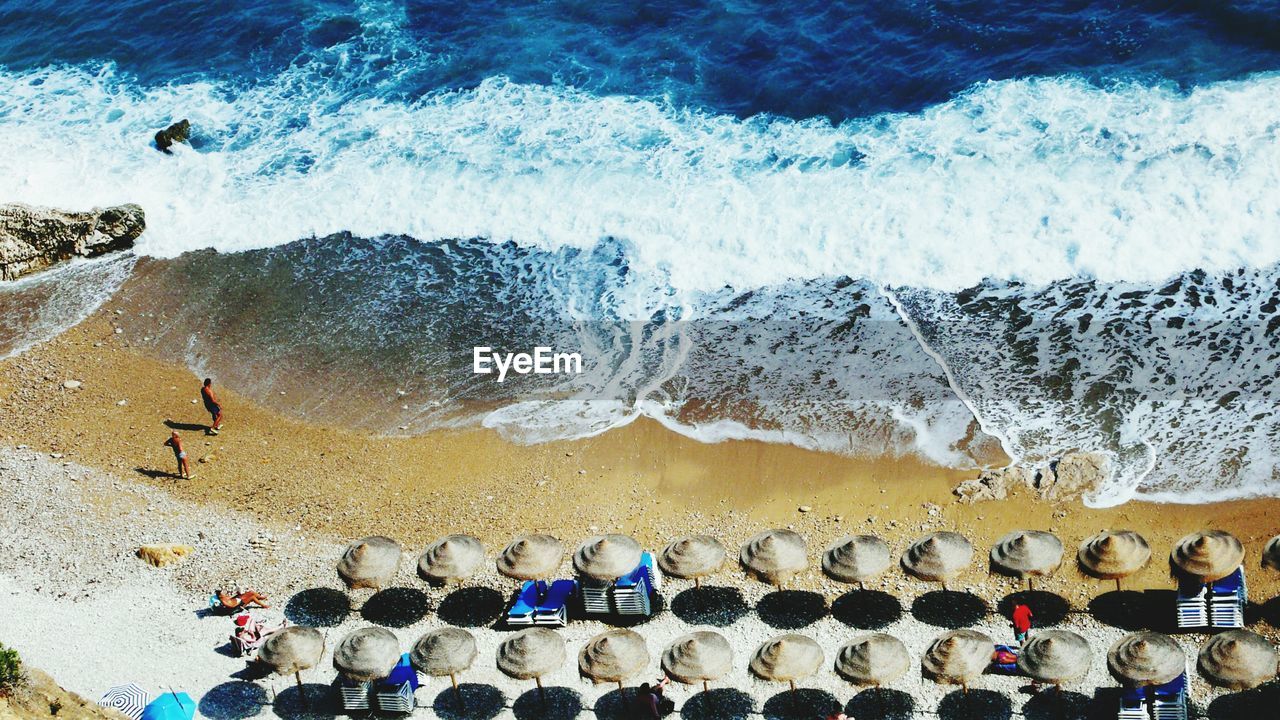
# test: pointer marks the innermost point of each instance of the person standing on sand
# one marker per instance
(1021, 622)
(175, 442)
(211, 404)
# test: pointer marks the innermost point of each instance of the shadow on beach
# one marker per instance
(315, 700)
(800, 703)
(975, 705)
(483, 702)
(718, 704)
(1259, 702)
(716, 606)
(791, 609)
(471, 607)
(187, 427)
(867, 609)
(949, 609)
(1049, 704)
(1048, 608)
(318, 607)
(234, 700)
(396, 607)
(881, 704)
(1134, 610)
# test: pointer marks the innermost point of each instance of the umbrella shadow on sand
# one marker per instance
(1049, 704)
(950, 609)
(318, 607)
(233, 701)
(483, 702)
(1259, 702)
(314, 700)
(881, 704)
(975, 705)
(718, 704)
(471, 607)
(867, 609)
(1048, 608)
(715, 606)
(791, 609)
(1268, 612)
(800, 703)
(1133, 610)
(396, 607)
(562, 704)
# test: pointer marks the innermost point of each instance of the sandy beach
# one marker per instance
(85, 481)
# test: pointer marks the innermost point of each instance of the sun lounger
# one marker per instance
(1227, 600)
(1169, 701)
(354, 695)
(522, 610)
(1133, 706)
(553, 608)
(394, 693)
(631, 592)
(1193, 605)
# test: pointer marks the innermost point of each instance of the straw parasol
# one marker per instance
(1055, 656)
(613, 656)
(1238, 659)
(291, 650)
(370, 563)
(693, 557)
(451, 558)
(1114, 554)
(873, 659)
(447, 651)
(531, 557)
(938, 557)
(1027, 554)
(773, 556)
(367, 654)
(856, 559)
(1207, 556)
(531, 653)
(1271, 554)
(607, 557)
(1146, 658)
(787, 658)
(957, 657)
(699, 657)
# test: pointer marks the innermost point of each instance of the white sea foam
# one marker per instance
(1032, 180)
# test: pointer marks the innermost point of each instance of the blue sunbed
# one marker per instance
(553, 609)
(522, 610)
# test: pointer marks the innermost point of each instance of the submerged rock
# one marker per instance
(1075, 474)
(33, 238)
(175, 133)
(995, 484)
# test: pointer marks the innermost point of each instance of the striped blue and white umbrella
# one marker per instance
(128, 699)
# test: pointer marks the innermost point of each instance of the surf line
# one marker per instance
(542, 361)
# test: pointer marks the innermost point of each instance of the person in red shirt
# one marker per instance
(212, 405)
(1021, 622)
(175, 442)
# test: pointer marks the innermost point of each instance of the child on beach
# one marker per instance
(1021, 622)
(175, 442)
(212, 405)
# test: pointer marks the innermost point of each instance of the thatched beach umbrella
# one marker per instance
(1238, 659)
(787, 658)
(773, 556)
(613, 656)
(607, 557)
(367, 654)
(531, 557)
(1114, 554)
(699, 657)
(1271, 554)
(957, 657)
(693, 557)
(291, 650)
(370, 563)
(447, 651)
(1055, 657)
(856, 559)
(1207, 556)
(874, 659)
(1146, 658)
(1026, 554)
(451, 558)
(530, 654)
(938, 557)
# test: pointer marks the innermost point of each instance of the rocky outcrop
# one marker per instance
(1067, 478)
(163, 555)
(34, 238)
(175, 133)
(40, 697)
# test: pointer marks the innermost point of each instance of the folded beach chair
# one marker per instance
(651, 567)
(631, 592)
(1193, 605)
(595, 596)
(1227, 600)
(1133, 706)
(354, 695)
(553, 608)
(394, 693)
(1169, 701)
(521, 611)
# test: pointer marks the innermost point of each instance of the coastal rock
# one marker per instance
(41, 697)
(162, 555)
(34, 238)
(1075, 474)
(175, 133)
(995, 484)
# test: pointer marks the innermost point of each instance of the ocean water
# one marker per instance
(951, 229)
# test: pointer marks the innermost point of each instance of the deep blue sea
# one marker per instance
(940, 228)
